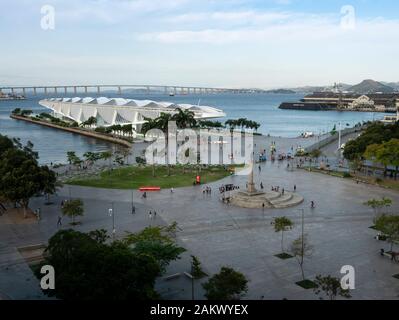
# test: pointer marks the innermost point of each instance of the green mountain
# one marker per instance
(371, 86)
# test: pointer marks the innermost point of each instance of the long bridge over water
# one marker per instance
(86, 89)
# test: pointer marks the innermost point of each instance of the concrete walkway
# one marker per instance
(220, 234)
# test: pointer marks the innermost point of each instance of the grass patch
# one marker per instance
(388, 183)
(396, 276)
(306, 284)
(134, 177)
(284, 256)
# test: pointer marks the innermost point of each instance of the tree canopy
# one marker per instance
(376, 133)
(331, 287)
(21, 177)
(228, 284)
(88, 268)
(389, 225)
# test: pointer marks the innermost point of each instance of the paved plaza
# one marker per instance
(221, 234)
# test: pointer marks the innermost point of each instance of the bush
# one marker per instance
(347, 175)
(16, 111)
(228, 284)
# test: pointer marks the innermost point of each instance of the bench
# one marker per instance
(391, 255)
(150, 189)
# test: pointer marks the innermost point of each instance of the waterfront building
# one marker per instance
(380, 102)
(362, 103)
(121, 111)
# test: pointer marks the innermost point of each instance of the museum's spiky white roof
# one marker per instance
(136, 103)
(119, 110)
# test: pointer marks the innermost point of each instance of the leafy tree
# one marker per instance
(331, 287)
(71, 156)
(73, 208)
(356, 165)
(196, 269)
(25, 113)
(21, 177)
(5, 144)
(280, 225)
(106, 155)
(316, 154)
(378, 204)
(119, 160)
(386, 153)
(89, 122)
(157, 242)
(301, 249)
(16, 111)
(88, 268)
(388, 225)
(391, 153)
(375, 133)
(228, 284)
(334, 130)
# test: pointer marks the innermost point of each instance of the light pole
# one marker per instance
(192, 281)
(133, 208)
(112, 214)
(303, 227)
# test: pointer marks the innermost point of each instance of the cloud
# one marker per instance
(276, 27)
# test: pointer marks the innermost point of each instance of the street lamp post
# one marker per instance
(133, 208)
(112, 214)
(192, 281)
(303, 227)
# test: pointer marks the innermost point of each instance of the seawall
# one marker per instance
(75, 130)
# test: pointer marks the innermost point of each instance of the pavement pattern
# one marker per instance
(224, 235)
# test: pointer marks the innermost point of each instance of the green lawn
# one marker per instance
(134, 177)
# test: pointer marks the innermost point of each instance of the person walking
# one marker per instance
(59, 222)
(133, 209)
(294, 187)
(150, 215)
(155, 215)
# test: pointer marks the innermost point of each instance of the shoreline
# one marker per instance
(75, 130)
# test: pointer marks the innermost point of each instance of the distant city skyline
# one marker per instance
(226, 43)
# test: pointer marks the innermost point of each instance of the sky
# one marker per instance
(213, 43)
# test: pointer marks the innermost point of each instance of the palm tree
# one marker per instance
(148, 125)
(184, 118)
(231, 123)
(162, 123)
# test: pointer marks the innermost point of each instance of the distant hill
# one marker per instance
(394, 85)
(371, 86)
(281, 91)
